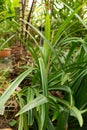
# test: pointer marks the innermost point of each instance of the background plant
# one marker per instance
(59, 67)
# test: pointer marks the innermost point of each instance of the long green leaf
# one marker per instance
(46, 40)
(23, 123)
(32, 104)
(64, 25)
(47, 35)
(2, 46)
(43, 77)
(61, 88)
(76, 113)
(30, 97)
(80, 19)
(20, 127)
(10, 90)
(50, 125)
(62, 120)
(44, 107)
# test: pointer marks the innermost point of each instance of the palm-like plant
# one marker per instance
(55, 79)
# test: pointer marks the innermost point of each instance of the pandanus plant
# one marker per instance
(55, 79)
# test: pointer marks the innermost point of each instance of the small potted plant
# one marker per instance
(5, 52)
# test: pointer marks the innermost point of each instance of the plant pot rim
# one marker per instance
(6, 52)
(6, 49)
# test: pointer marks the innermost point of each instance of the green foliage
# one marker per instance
(12, 87)
(62, 120)
(57, 78)
(2, 5)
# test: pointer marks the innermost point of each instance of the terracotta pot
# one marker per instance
(5, 53)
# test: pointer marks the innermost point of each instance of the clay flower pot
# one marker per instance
(5, 53)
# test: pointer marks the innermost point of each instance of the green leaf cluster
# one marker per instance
(57, 78)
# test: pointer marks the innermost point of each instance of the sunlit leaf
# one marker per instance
(76, 113)
(32, 104)
(10, 90)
